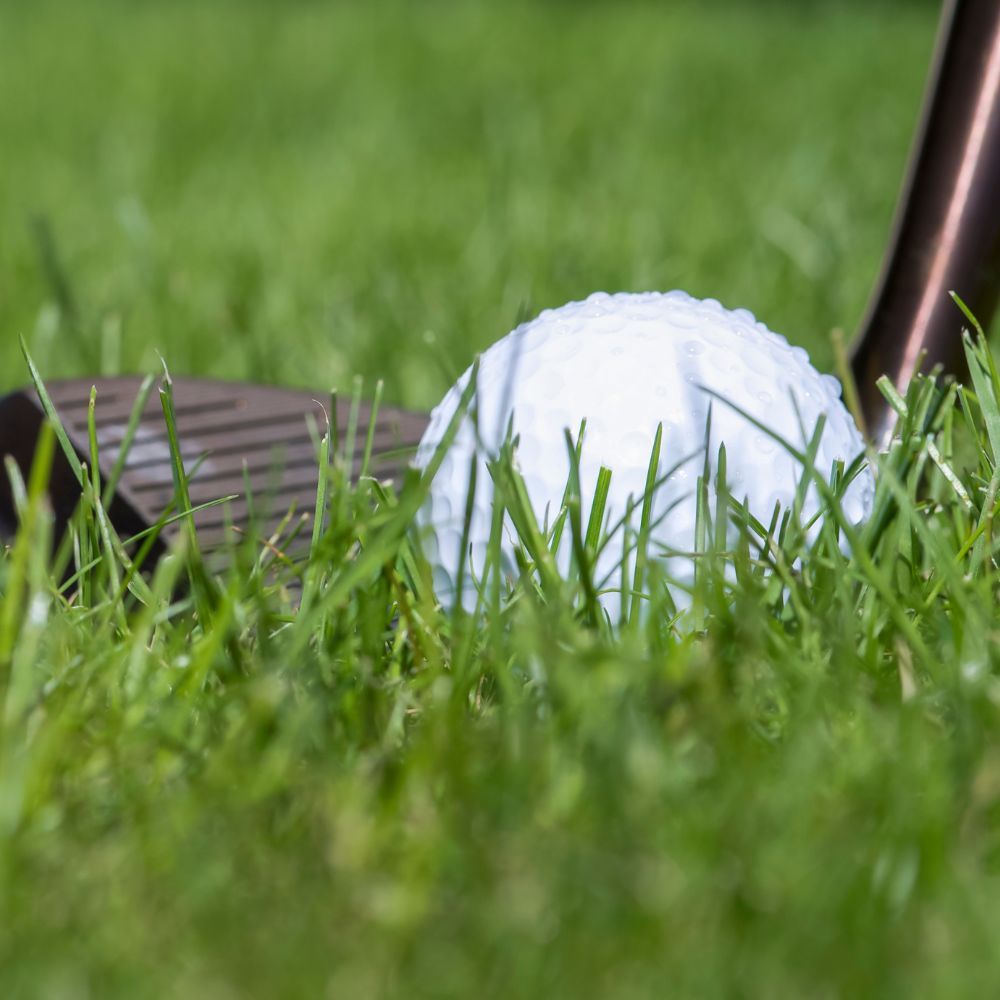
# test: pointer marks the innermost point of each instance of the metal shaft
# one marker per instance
(946, 234)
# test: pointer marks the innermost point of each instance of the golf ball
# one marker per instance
(628, 363)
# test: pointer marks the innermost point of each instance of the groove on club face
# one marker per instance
(221, 426)
(946, 235)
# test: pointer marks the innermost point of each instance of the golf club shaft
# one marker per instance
(945, 235)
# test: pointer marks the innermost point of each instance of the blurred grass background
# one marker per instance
(299, 192)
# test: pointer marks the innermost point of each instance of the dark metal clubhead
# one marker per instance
(946, 235)
(223, 429)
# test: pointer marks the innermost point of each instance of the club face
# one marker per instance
(251, 444)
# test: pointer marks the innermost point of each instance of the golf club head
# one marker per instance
(248, 442)
(946, 234)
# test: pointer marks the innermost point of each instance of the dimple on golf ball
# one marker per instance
(627, 363)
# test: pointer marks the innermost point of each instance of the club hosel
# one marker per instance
(946, 234)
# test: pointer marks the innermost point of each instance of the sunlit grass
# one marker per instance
(310, 779)
(207, 782)
(300, 192)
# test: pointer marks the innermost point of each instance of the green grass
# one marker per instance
(206, 792)
(300, 192)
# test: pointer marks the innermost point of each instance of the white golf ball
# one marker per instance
(627, 363)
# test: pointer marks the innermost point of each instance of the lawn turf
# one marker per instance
(301, 192)
(204, 793)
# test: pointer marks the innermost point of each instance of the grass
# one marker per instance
(205, 791)
(303, 192)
